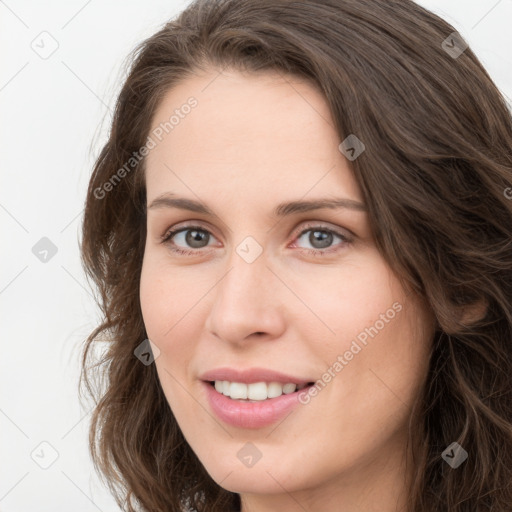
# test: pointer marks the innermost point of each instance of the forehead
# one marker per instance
(259, 132)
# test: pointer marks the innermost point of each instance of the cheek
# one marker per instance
(381, 334)
(164, 305)
(173, 305)
(348, 299)
(164, 297)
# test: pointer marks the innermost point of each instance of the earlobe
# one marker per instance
(455, 318)
(473, 313)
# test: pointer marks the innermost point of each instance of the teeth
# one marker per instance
(237, 390)
(289, 388)
(274, 389)
(257, 391)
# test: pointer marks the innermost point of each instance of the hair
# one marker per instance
(434, 174)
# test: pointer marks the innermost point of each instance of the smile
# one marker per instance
(252, 413)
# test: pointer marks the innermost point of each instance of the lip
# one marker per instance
(250, 415)
(252, 375)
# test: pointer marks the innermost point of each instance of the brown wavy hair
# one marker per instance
(436, 176)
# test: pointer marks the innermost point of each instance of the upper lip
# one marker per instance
(251, 375)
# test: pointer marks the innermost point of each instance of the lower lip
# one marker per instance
(251, 414)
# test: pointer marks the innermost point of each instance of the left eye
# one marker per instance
(321, 238)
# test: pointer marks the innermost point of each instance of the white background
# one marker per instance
(55, 114)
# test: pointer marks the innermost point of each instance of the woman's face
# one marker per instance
(270, 282)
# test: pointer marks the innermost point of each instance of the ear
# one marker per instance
(473, 313)
(453, 318)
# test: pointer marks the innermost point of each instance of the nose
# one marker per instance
(247, 303)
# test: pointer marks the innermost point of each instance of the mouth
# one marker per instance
(238, 409)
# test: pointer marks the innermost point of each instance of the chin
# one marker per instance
(249, 482)
(262, 478)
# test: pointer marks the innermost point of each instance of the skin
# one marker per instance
(252, 142)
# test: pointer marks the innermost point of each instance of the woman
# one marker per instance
(300, 231)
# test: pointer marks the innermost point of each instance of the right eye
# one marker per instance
(194, 236)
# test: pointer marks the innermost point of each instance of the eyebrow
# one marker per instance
(169, 200)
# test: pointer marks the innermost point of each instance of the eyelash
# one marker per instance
(166, 239)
